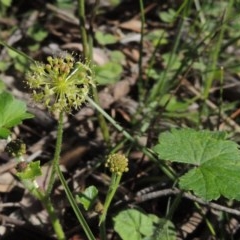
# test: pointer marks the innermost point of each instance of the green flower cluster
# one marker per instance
(117, 163)
(61, 84)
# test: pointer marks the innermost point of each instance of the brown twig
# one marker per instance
(5, 219)
(170, 191)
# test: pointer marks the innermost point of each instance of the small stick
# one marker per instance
(170, 191)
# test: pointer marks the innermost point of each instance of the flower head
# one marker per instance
(117, 163)
(16, 148)
(61, 84)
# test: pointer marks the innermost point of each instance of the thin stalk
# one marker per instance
(103, 235)
(74, 206)
(220, 103)
(101, 120)
(87, 41)
(115, 180)
(141, 87)
(200, 12)
(217, 50)
(174, 206)
(56, 169)
(110, 119)
(33, 188)
(102, 123)
(16, 51)
(158, 88)
(82, 24)
(58, 146)
(53, 216)
(207, 221)
(166, 169)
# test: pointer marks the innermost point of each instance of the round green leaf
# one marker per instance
(133, 224)
(12, 113)
(216, 161)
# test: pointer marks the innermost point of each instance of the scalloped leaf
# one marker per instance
(133, 223)
(32, 171)
(136, 225)
(12, 113)
(216, 161)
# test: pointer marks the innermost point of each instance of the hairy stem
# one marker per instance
(56, 169)
(55, 162)
(52, 215)
(115, 180)
(33, 188)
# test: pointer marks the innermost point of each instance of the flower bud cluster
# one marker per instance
(61, 84)
(117, 163)
(16, 148)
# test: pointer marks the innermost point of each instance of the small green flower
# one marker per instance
(117, 163)
(61, 84)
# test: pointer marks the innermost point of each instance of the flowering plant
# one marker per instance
(61, 84)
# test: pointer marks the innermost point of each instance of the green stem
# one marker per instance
(141, 87)
(87, 41)
(44, 198)
(53, 217)
(165, 168)
(162, 85)
(82, 24)
(16, 51)
(103, 235)
(74, 206)
(115, 180)
(217, 50)
(102, 123)
(46, 201)
(56, 169)
(58, 146)
(110, 119)
(174, 206)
